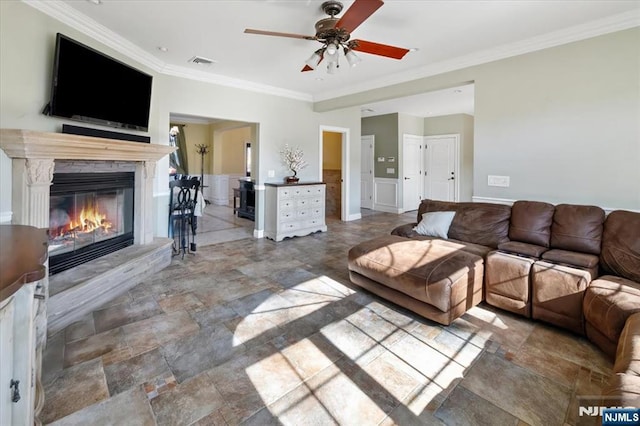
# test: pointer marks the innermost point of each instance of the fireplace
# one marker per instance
(90, 215)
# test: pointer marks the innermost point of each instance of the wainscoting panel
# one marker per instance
(385, 195)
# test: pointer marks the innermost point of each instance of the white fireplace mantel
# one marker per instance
(33, 157)
(18, 143)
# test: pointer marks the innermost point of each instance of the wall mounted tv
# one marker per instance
(92, 87)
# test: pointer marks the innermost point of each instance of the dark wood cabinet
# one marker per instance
(247, 197)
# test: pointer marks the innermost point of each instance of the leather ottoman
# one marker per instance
(434, 280)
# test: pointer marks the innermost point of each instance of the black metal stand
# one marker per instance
(202, 150)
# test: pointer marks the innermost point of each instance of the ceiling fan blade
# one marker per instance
(277, 34)
(359, 11)
(379, 49)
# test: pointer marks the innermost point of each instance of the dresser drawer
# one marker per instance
(290, 226)
(288, 215)
(288, 204)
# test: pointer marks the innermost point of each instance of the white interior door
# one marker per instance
(366, 171)
(441, 167)
(411, 179)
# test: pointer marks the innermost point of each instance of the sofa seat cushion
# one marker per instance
(571, 258)
(608, 302)
(524, 249)
(628, 353)
(432, 273)
(531, 222)
(621, 244)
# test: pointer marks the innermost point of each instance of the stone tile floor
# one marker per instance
(257, 332)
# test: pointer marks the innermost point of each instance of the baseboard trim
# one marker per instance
(258, 233)
(5, 217)
(509, 202)
(356, 216)
(386, 209)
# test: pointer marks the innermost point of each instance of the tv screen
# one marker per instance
(92, 87)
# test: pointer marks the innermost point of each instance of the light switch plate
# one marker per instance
(502, 181)
(391, 170)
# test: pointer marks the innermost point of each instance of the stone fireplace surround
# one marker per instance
(35, 157)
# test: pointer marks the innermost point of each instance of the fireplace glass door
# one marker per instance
(90, 215)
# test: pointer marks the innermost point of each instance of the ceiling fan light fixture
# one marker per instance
(315, 59)
(352, 58)
(332, 48)
(332, 67)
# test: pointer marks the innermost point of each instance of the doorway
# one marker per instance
(442, 165)
(230, 156)
(412, 166)
(337, 146)
(332, 173)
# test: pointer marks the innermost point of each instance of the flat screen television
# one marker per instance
(92, 87)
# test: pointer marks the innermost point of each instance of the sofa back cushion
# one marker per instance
(577, 228)
(531, 222)
(486, 224)
(621, 245)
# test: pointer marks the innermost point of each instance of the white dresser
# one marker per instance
(294, 210)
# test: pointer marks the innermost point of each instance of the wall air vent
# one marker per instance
(200, 60)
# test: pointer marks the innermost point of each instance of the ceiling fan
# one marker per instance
(335, 33)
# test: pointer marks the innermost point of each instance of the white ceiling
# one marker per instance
(455, 100)
(448, 34)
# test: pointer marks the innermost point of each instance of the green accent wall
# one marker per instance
(385, 130)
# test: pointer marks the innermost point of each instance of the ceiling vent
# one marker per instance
(200, 60)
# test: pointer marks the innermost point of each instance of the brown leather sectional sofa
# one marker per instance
(567, 265)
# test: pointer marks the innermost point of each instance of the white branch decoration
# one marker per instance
(292, 158)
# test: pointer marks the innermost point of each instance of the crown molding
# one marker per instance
(184, 72)
(66, 14)
(614, 23)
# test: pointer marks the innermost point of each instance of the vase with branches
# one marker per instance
(293, 159)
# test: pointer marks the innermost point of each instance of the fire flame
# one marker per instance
(89, 220)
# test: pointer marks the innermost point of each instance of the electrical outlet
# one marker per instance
(271, 173)
(502, 181)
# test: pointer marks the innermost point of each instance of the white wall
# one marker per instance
(563, 123)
